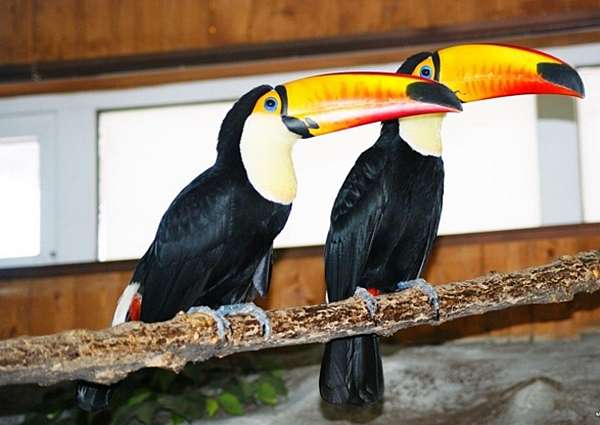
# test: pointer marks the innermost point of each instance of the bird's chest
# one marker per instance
(414, 194)
(257, 218)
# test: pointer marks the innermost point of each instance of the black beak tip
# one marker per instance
(434, 93)
(299, 127)
(563, 75)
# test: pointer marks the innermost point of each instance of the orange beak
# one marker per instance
(483, 71)
(331, 102)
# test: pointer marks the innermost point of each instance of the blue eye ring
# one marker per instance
(426, 71)
(271, 104)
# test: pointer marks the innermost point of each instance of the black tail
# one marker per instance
(93, 397)
(351, 371)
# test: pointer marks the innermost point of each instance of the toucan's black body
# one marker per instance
(212, 239)
(383, 224)
(209, 245)
(213, 236)
(386, 215)
(213, 245)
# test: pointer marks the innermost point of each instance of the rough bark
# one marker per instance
(109, 355)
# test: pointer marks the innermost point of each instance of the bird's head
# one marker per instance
(484, 71)
(322, 104)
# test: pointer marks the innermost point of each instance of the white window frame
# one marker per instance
(42, 126)
(72, 183)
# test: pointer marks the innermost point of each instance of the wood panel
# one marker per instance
(41, 30)
(72, 297)
(73, 45)
(209, 71)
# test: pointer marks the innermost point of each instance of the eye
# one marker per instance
(270, 104)
(426, 71)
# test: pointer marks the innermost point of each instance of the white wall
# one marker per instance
(69, 217)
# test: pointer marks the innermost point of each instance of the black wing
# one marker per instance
(191, 239)
(262, 276)
(420, 208)
(355, 218)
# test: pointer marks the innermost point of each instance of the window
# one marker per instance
(20, 194)
(588, 113)
(110, 162)
(491, 166)
(147, 155)
(27, 189)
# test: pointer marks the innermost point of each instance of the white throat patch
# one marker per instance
(266, 149)
(423, 133)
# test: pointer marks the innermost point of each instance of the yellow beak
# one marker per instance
(326, 103)
(483, 71)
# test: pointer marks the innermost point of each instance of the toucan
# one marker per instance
(213, 246)
(386, 215)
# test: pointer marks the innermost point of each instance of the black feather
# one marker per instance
(383, 224)
(351, 372)
(213, 244)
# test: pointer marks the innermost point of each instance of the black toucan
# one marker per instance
(213, 244)
(386, 214)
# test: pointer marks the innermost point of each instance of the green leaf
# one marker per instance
(277, 383)
(145, 412)
(212, 406)
(266, 394)
(176, 419)
(142, 412)
(245, 388)
(138, 397)
(230, 404)
(188, 408)
(240, 389)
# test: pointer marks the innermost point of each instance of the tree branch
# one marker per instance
(109, 355)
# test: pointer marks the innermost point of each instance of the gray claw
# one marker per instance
(427, 289)
(368, 299)
(248, 308)
(220, 320)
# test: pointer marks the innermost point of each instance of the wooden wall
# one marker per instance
(42, 30)
(74, 45)
(38, 305)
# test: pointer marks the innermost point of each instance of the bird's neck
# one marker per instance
(267, 157)
(423, 133)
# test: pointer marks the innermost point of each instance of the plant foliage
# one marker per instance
(201, 390)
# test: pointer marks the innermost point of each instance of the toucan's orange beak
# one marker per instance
(483, 71)
(326, 103)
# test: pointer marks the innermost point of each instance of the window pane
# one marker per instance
(20, 194)
(491, 162)
(148, 155)
(588, 113)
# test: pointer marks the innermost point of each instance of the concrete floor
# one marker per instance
(508, 384)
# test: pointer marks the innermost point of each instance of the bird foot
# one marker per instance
(248, 308)
(368, 299)
(427, 289)
(220, 320)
